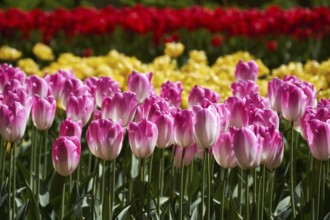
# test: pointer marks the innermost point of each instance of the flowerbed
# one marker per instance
(123, 151)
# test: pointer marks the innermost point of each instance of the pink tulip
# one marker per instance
(43, 112)
(171, 92)
(37, 86)
(72, 86)
(278, 158)
(15, 92)
(70, 128)
(91, 83)
(223, 151)
(184, 128)
(264, 117)
(105, 87)
(256, 101)
(244, 88)
(293, 102)
(224, 115)
(105, 138)
(140, 84)
(80, 108)
(142, 138)
(57, 80)
(189, 153)
(207, 126)
(121, 106)
(66, 155)
(247, 147)
(8, 72)
(165, 124)
(275, 90)
(319, 139)
(238, 114)
(13, 119)
(199, 95)
(142, 111)
(246, 70)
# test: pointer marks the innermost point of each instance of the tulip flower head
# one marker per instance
(43, 112)
(246, 70)
(223, 151)
(172, 92)
(69, 127)
(140, 84)
(105, 87)
(184, 128)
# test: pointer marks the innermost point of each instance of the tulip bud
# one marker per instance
(121, 106)
(36, 86)
(275, 89)
(207, 126)
(223, 151)
(244, 88)
(189, 153)
(43, 112)
(8, 72)
(105, 87)
(57, 80)
(165, 124)
(66, 155)
(246, 70)
(72, 86)
(319, 139)
(238, 114)
(80, 108)
(105, 138)
(140, 84)
(70, 128)
(198, 95)
(247, 147)
(184, 128)
(142, 138)
(171, 92)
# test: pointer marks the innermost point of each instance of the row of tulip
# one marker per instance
(242, 133)
(299, 22)
(166, 67)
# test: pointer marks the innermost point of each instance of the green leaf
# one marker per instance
(282, 206)
(22, 211)
(34, 208)
(123, 213)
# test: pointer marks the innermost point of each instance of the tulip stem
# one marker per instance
(223, 193)
(112, 181)
(148, 186)
(181, 184)
(203, 185)
(32, 158)
(142, 170)
(263, 170)
(292, 173)
(45, 154)
(38, 151)
(272, 180)
(240, 190)
(319, 191)
(255, 187)
(160, 180)
(63, 201)
(14, 180)
(247, 199)
(96, 173)
(208, 210)
(10, 185)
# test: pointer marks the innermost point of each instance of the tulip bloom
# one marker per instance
(246, 70)
(264, 117)
(72, 86)
(105, 138)
(318, 139)
(142, 111)
(244, 88)
(36, 86)
(172, 92)
(121, 106)
(165, 124)
(70, 128)
(223, 151)
(198, 95)
(105, 87)
(140, 84)
(57, 80)
(184, 128)
(278, 158)
(238, 113)
(66, 155)
(275, 90)
(8, 72)
(189, 153)
(80, 108)
(142, 138)
(207, 126)
(247, 147)
(13, 119)
(43, 112)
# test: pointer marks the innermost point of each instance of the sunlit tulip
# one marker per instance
(69, 127)
(140, 84)
(223, 151)
(198, 95)
(246, 70)
(184, 128)
(43, 112)
(80, 108)
(244, 88)
(172, 92)
(105, 87)
(37, 86)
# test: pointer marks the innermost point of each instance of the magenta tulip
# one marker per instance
(140, 84)
(66, 155)
(142, 138)
(278, 157)
(244, 88)
(199, 95)
(142, 111)
(43, 112)
(91, 83)
(80, 108)
(105, 138)
(247, 147)
(13, 119)
(8, 72)
(165, 125)
(206, 126)
(264, 117)
(70, 128)
(57, 80)
(238, 113)
(189, 153)
(121, 106)
(223, 151)
(246, 70)
(37, 86)
(184, 128)
(105, 87)
(72, 86)
(172, 92)
(274, 94)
